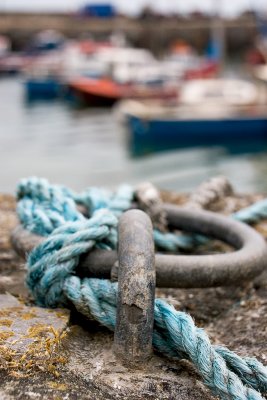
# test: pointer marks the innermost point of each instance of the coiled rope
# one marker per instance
(51, 211)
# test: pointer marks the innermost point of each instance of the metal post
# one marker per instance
(136, 289)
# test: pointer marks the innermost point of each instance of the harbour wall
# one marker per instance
(154, 33)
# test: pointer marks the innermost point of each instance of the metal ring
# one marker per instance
(136, 289)
(184, 271)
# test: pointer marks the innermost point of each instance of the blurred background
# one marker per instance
(101, 93)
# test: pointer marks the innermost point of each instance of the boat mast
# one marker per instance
(218, 35)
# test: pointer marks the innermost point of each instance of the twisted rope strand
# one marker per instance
(195, 343)
(253, 213)
(252, 371)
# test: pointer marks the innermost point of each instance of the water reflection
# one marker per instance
(86, 147)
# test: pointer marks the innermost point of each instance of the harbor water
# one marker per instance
(87, 147)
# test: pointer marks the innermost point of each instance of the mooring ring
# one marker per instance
(136, 289)
(184, 271)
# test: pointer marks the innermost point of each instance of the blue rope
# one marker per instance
(42, 207)
(51, 211)
(254, 213)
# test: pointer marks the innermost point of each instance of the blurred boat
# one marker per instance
(51, 70)
(260, 73)
(257, 60)
(47, 75)
(44, 88)
(215, 112)
(10, 62)
(135, 73)
(185, 63)
(221, 92)
(208, 69)
(101, 73)
(43, 78)
(257, 56)
(43, 44)
(123, 73)
(4, 45)
(125, 64)
(45, 41)
(13, 63)
(106, 92)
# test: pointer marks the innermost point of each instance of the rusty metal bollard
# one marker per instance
(136, 289)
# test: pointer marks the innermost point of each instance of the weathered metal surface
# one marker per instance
(247, 262)
(136, 289)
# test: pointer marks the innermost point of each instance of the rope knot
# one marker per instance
(55, 259)
(43, 207)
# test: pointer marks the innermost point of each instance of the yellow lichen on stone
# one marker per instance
(7, 312)
(61, 314)
(31, 338)
(57, 386)
(38, 331)
(29, 315)
(6, 322)
(4, 335)
(43, 353)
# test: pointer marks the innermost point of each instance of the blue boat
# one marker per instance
(231, 113)
(43, 88)
(159, 135)
(153, 134)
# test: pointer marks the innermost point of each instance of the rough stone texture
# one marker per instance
(157, 379)
(20, 323)
(84, 367)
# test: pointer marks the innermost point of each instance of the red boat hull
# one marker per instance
(105, 92)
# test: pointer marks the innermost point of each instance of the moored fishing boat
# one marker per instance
(106, 92)
(43, 88)
(43, 78)
(13, 63)
(206, 70)
(10, 62)
(183, 62)
(260, 73)
(216, 112)
(5, 45)
(135, 73)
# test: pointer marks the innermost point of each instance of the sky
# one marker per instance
(228, 7)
